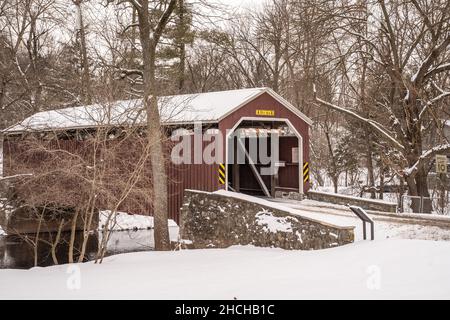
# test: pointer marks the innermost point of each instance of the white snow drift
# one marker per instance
(124, 221)
(392, 269)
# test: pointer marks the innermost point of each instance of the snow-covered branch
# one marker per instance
(136, 4)
(424, 158)
(432, 101)
(438, 69)
(375, 125)
(395, 120)
(422, 71)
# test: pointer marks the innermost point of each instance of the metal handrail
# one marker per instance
(362, 214)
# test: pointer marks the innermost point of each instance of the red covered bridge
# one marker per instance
(251, 114)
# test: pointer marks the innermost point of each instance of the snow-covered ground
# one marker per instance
(131, 241)
(396, 265)
(384, 269)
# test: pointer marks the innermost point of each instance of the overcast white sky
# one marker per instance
(245, 4)
(240, 3)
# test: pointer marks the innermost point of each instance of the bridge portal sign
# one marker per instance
(266, 113)
(441, 164)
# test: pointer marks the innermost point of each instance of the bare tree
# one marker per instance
(409, 52)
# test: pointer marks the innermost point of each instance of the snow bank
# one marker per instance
(273, 224)
(389, 269)
(125, 221)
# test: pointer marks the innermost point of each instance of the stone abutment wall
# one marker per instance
(223, 219)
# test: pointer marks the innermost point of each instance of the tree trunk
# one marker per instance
(155, 138)
(86, 232)
(422, 187)
(381, 182)
(73, 231)
(160, 204)
(86, 78)
(182, 47)
(335, 183)
(154, 132)
(335, 173)
(56, 242)
(2, 92)
(370, 173)
(36, 247)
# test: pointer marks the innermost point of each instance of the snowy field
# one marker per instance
(385, 269)
(397, 265)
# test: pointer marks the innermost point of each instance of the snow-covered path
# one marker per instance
(384, 227)
(388, 269)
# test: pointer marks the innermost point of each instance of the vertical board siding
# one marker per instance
(180, 177)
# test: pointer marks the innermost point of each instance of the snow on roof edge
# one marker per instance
(249, 94)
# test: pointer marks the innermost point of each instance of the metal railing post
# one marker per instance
(372, 231)
(361, 214)
(364, 231)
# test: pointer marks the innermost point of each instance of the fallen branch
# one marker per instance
(16, 176)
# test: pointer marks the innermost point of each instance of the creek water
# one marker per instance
(22, 253)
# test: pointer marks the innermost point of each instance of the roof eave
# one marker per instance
(7, 131)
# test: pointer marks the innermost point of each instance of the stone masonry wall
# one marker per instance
(220, 220)
(368, 204)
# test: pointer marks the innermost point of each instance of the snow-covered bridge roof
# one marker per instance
(181, 109)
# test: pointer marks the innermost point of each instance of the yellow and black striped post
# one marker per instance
(305, 172)
(222, 177)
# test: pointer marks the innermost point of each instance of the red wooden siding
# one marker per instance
(195, 176)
